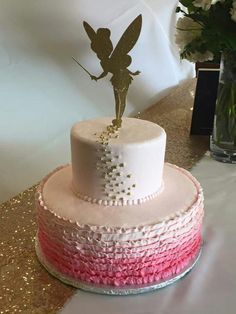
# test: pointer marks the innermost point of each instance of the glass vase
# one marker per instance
(223, 139)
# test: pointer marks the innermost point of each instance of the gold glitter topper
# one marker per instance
(115, 61)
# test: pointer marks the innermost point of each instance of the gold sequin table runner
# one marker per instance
(25, 286)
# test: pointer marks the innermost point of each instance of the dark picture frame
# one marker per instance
(205, 99)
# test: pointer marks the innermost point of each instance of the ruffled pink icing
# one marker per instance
(133, 272)
(67, 253)
(127, 249)
(146, 269)
(121, 256)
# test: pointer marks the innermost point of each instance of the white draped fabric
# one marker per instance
(210, 287)
(43, 92)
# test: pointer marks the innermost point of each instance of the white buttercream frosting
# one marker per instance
(181, 192)
(117, 167)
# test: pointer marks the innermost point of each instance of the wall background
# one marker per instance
(43, 92)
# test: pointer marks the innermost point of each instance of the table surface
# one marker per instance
(210, 287)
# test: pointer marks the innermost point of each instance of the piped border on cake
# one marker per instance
(122, 230)
(118, 203)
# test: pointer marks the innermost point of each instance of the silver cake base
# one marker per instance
(111, 290)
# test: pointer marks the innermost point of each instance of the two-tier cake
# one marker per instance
(119, 220)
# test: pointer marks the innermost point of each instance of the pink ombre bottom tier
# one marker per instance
(119, 246)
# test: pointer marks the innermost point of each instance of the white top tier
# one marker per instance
(117, 167)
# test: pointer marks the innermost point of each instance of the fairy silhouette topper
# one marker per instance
(115, 61)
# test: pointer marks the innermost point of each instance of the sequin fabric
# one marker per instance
(25, 286)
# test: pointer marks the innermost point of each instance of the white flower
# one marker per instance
(204, 4)
(233, 11)
(187, 31)
(200, 57)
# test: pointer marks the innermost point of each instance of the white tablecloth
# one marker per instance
(210, 288)
(43, 92)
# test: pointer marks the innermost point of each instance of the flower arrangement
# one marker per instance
(206, 29)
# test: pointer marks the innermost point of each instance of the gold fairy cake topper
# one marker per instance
(115, 61)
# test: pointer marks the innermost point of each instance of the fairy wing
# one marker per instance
(89, 30)
(128, 39)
